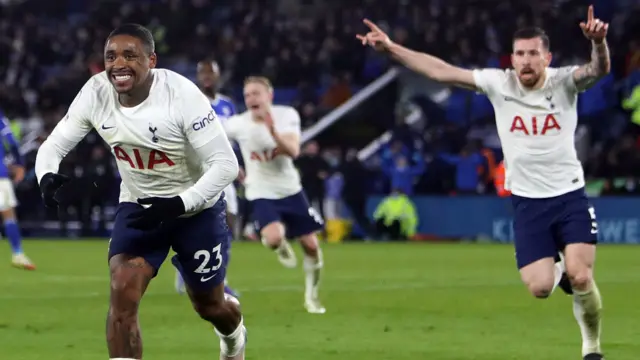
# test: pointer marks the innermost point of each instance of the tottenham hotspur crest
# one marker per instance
(549, 98)
(153, 130)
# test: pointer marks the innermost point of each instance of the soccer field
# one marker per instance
(384, 301)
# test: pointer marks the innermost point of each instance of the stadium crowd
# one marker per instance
(49, 49)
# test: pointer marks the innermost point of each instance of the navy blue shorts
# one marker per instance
(294, 211)
(201, 243)
(543, 227)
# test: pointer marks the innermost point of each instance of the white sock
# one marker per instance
(312, 269)
(558, 270)
(232, 344)
(587, 306)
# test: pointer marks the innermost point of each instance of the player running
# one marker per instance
(175, 161)
(8, 201)
(269, 138)
(536, 116)
(208, 77)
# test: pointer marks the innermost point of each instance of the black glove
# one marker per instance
(49, 185)
(161, 209)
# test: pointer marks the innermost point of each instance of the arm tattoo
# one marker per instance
(586, 75)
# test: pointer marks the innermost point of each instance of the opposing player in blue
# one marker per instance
(208, 80)
(536, 117)
(8, 201)
(175, 161)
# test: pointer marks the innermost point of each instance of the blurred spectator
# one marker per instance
(468, 167)
(313, 172)
(338, 93)
(403, 174)
(396, 217)
(499, 181)
(632, 103)
(355, 190)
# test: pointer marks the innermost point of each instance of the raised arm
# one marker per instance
(600, 65)
(427, 65)
(286, 132)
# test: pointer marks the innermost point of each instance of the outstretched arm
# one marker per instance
(427, 65)
(600, 65)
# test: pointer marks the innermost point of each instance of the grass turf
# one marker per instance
(384, 301)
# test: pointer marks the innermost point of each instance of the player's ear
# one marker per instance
(153, 60)
(549, 57)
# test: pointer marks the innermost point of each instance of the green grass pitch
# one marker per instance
(384, 301)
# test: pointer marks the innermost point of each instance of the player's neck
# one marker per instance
(137, 95)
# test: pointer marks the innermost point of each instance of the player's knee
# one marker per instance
(580, 277)
(540, 290)
(128, 283)
(310, 245)
(216, 310)
(540, 285)
(272, 235)
(125, 294)
(8, 214)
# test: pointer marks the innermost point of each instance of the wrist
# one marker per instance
(598, 42)
(391, 46)
(190, 200)
(45, 177)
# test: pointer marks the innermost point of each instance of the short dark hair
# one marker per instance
(532, 33)
(137, 31)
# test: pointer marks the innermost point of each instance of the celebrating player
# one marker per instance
(8, 200)
(175, 161)
(208, 76)
(269, 138)
(536, 116)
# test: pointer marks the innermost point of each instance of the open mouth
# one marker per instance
(121, 79)
(254, 107)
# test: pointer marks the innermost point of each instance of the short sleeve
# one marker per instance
(488, 80)
(565, 75)
(289, 123)
(201, 124)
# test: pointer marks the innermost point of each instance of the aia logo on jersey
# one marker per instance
(202, 123)
(265, 155)
(535, 126)
(142, 159)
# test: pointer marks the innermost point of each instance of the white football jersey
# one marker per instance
(162, 146)
(270, 175)
(537, 130)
